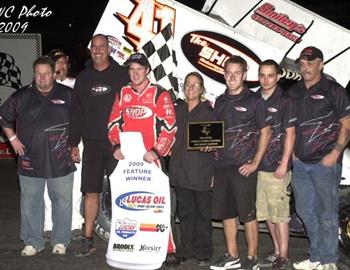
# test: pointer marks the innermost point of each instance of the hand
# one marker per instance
(118, 154)
(150, 157)
(248, 168)
(74, 154)
(281, 171)
(329, 160)
(18, 146)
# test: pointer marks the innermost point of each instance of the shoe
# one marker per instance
(87, 247)
(251, 263)
(59, 249)
(281, 264)
(172, 260)
(330, 266)
(30, 251)
(268, 260)
(77, 235)
(226, 262)
(204, 263)
(307, 265)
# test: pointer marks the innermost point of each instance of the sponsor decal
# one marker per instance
(317, 97)
(272, 109)
(100, 89)
(278, 22)
(240, 109)
(127, 98)
(144, 227)
(138, 112)
(147, 248)
(57, 101)
(207, 51)
(141, 201)
(117, 49)
(125, 228)
(123, 247)
(146, 19)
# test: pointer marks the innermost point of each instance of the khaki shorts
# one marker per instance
(272, 202)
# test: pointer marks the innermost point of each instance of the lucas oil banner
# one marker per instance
(140, 210)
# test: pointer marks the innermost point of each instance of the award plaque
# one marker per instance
(202, 134)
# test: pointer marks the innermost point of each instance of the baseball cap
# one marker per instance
(56, 54)
(310, 53)
(139, 58)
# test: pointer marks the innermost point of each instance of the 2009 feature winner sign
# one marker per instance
(140, 210)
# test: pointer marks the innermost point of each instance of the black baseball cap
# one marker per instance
(139, 58)
(310, 53)
(56, 54)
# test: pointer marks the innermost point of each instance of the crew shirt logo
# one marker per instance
(240, 109)
(138, 112)
(272, 109)
(100, 89)
(57, 101)
(317, 97)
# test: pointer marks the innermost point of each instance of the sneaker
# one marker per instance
(281, 264)
(307, 265)
(251, 264)
(226, 262)
(30, 251)
(77, 235)
(268, 260)
(87, 247)
(330, 266)
(59, 249)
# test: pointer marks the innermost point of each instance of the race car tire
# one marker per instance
(344, 220)
(103, 221)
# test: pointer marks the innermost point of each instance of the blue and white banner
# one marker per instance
(140, 210)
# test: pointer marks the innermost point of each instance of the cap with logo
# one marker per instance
(56, 54)
(139, 58)
(310, 53)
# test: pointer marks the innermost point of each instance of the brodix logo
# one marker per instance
(208, 51)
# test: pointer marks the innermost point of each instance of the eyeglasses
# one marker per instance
(194, 85)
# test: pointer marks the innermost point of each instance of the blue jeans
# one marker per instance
(32, 209)
(315, 189)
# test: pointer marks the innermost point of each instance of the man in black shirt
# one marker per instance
(272, 202)
(41, 114)
(94, 93)
(246, 136)
(322, 132)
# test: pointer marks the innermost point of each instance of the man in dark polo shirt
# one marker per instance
(274, 174)
(322, 132)
(246, 137)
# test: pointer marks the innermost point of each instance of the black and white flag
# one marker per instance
(161, 55)
(10, 74)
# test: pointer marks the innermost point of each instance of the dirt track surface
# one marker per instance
(11, 245)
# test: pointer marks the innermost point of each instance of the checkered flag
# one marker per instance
(10, 74)
(161, 55)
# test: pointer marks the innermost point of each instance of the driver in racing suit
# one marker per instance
(146, 108)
